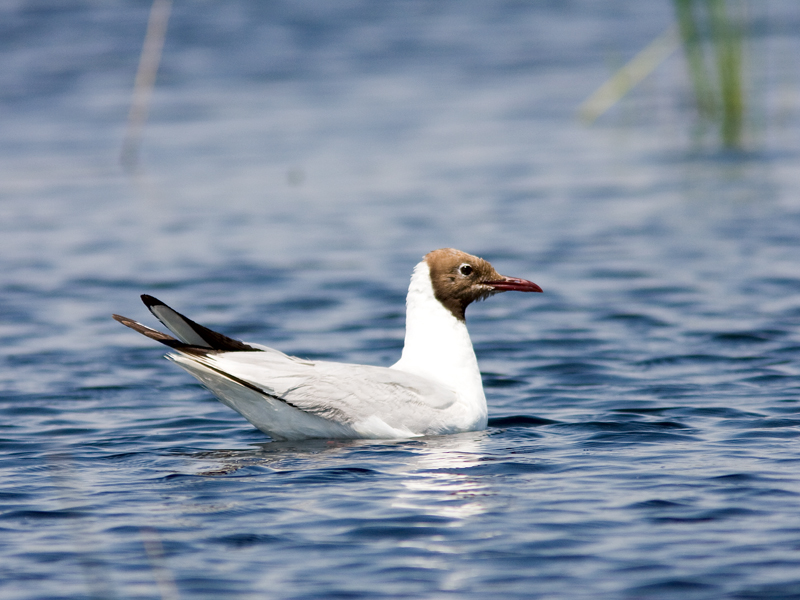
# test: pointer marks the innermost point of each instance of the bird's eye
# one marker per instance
(466, 270)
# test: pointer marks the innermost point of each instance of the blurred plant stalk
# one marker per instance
(626, 78)
(145, 82)
(712, 41)
(710, 35)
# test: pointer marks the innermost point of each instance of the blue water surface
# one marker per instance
(299, 159)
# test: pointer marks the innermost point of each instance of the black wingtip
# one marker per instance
(151, 300)
(213, 340)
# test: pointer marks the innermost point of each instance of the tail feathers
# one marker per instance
(151, 333)
(190, 335)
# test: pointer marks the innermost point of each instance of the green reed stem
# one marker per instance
(727, 41)
(688, 24)
(720, 95)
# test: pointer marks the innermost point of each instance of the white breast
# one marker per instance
(438, 347)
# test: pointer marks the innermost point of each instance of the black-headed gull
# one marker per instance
(435, 387)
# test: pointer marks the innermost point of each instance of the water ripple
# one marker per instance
(298, 160)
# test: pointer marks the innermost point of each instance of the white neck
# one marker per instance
(437, 344)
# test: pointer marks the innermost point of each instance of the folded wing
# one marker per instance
(345, 395)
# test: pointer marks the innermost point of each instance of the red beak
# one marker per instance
(512, 284)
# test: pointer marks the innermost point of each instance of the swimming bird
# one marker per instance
(435, 387)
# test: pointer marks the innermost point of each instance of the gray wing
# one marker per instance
(341, 392)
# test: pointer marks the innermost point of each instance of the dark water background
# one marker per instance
(299, 159)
